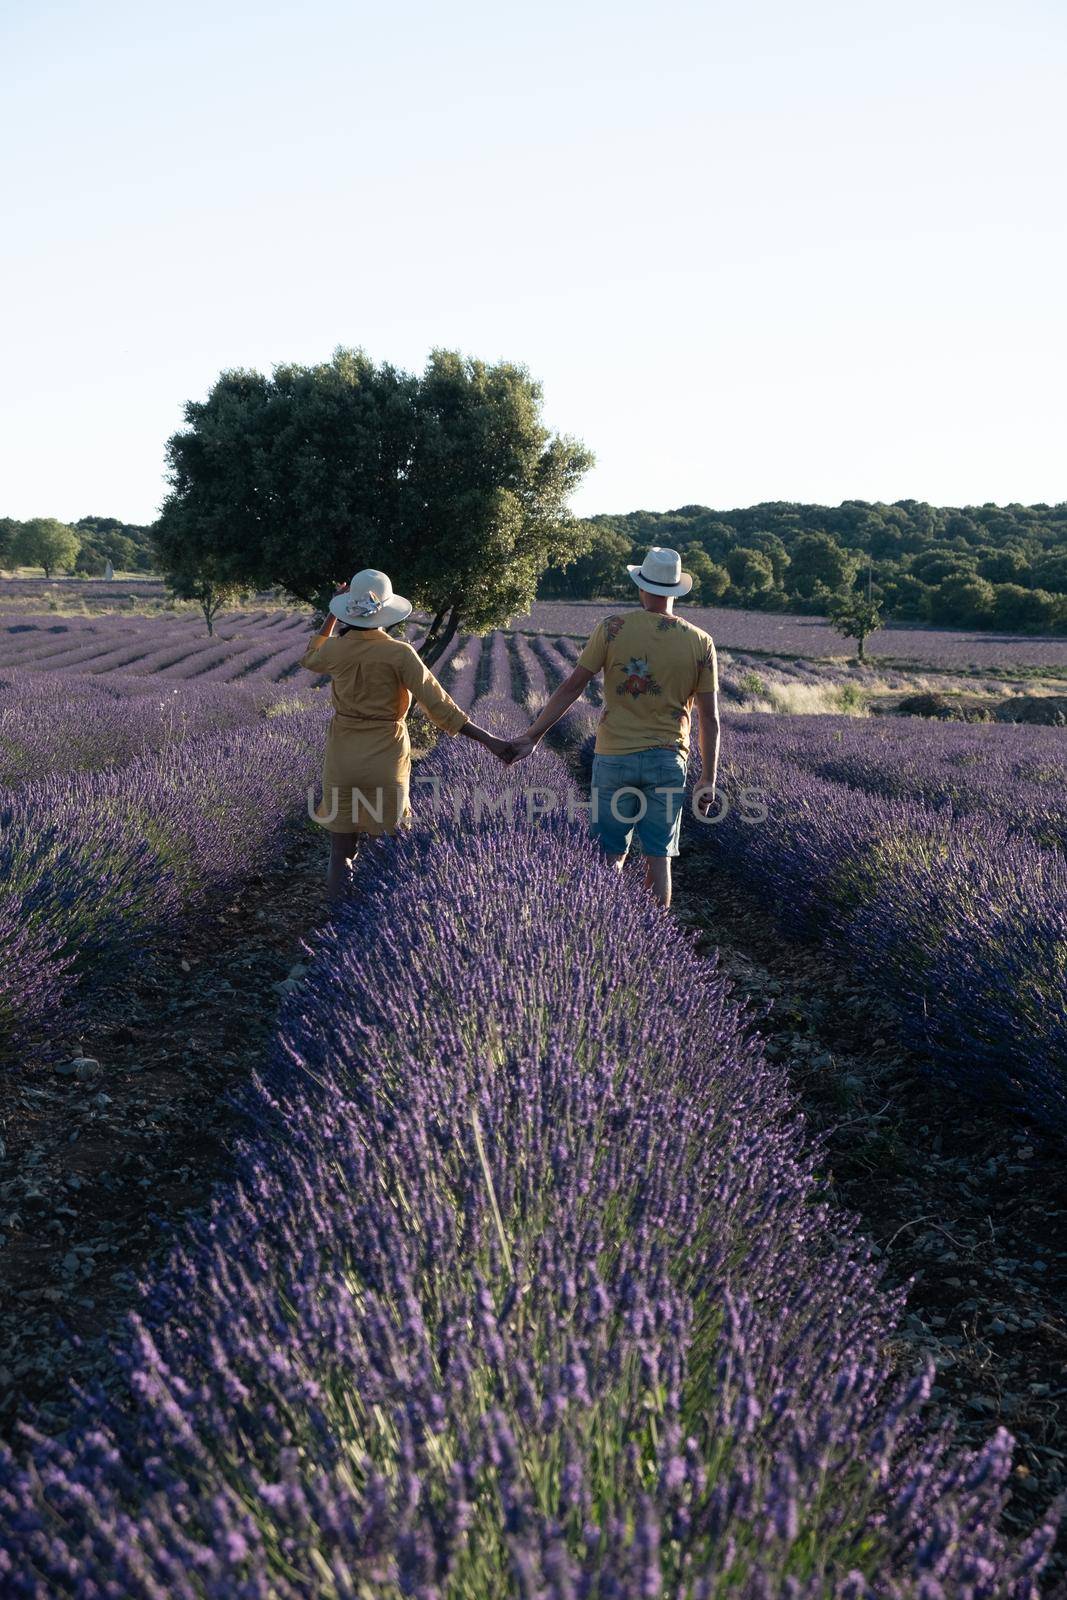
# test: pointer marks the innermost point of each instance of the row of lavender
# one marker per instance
(88, 723)
(246, 645)
(931, 883)
(261, 643)
(521, 1289)
(95, 863)
(1016, 775)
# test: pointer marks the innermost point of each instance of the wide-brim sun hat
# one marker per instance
(369, 602)
(661, 573)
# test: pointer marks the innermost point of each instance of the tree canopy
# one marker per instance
(127, 545)
(45, 542)
(449, 481)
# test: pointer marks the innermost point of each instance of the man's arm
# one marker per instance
(708, 734)
(560, 701)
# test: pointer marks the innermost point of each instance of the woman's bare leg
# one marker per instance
(343, 847)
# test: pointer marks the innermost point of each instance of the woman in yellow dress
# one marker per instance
(374, 678)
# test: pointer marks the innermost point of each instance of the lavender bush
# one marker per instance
(1017, 775)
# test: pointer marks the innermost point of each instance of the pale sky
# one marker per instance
(753, 252)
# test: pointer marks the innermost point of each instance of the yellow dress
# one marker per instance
(367, 767)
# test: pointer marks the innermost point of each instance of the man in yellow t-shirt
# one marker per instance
(655, 666)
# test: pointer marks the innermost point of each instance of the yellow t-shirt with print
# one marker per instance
(653, 666)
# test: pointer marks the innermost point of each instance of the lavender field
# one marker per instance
(260, 644)
(774, 633)
(515, 1289)
(512, 1294)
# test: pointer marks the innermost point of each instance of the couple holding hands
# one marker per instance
(656, 666)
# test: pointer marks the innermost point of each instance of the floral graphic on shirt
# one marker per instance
(665, 624)
(638, 679)
(612, 626)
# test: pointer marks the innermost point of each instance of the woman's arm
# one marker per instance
(327, 631)
(443, 710)
(499, 747)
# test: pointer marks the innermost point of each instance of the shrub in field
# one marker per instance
(525, 1287)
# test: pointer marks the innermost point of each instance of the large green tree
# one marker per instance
(1032, 610)
(910, 548)
(127, 545)
(961, 600)
(46, 542)
(449, 481)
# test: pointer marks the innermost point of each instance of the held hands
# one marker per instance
(501, 748)
(507, 750)
(520, 748)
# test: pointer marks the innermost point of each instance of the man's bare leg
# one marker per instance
(342, 849)
(658, 878)
(615, 861)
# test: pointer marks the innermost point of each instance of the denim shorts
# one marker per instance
(644, 790)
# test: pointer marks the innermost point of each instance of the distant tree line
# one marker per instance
(485, 532)
(82, 548)
(977, 566)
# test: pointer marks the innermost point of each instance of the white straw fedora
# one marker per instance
(369, 602)
(661, 573)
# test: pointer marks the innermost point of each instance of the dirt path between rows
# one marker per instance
(967, 1205)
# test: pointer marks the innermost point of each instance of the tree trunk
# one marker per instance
(433, 649)
(431, 633)
(862, 638)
